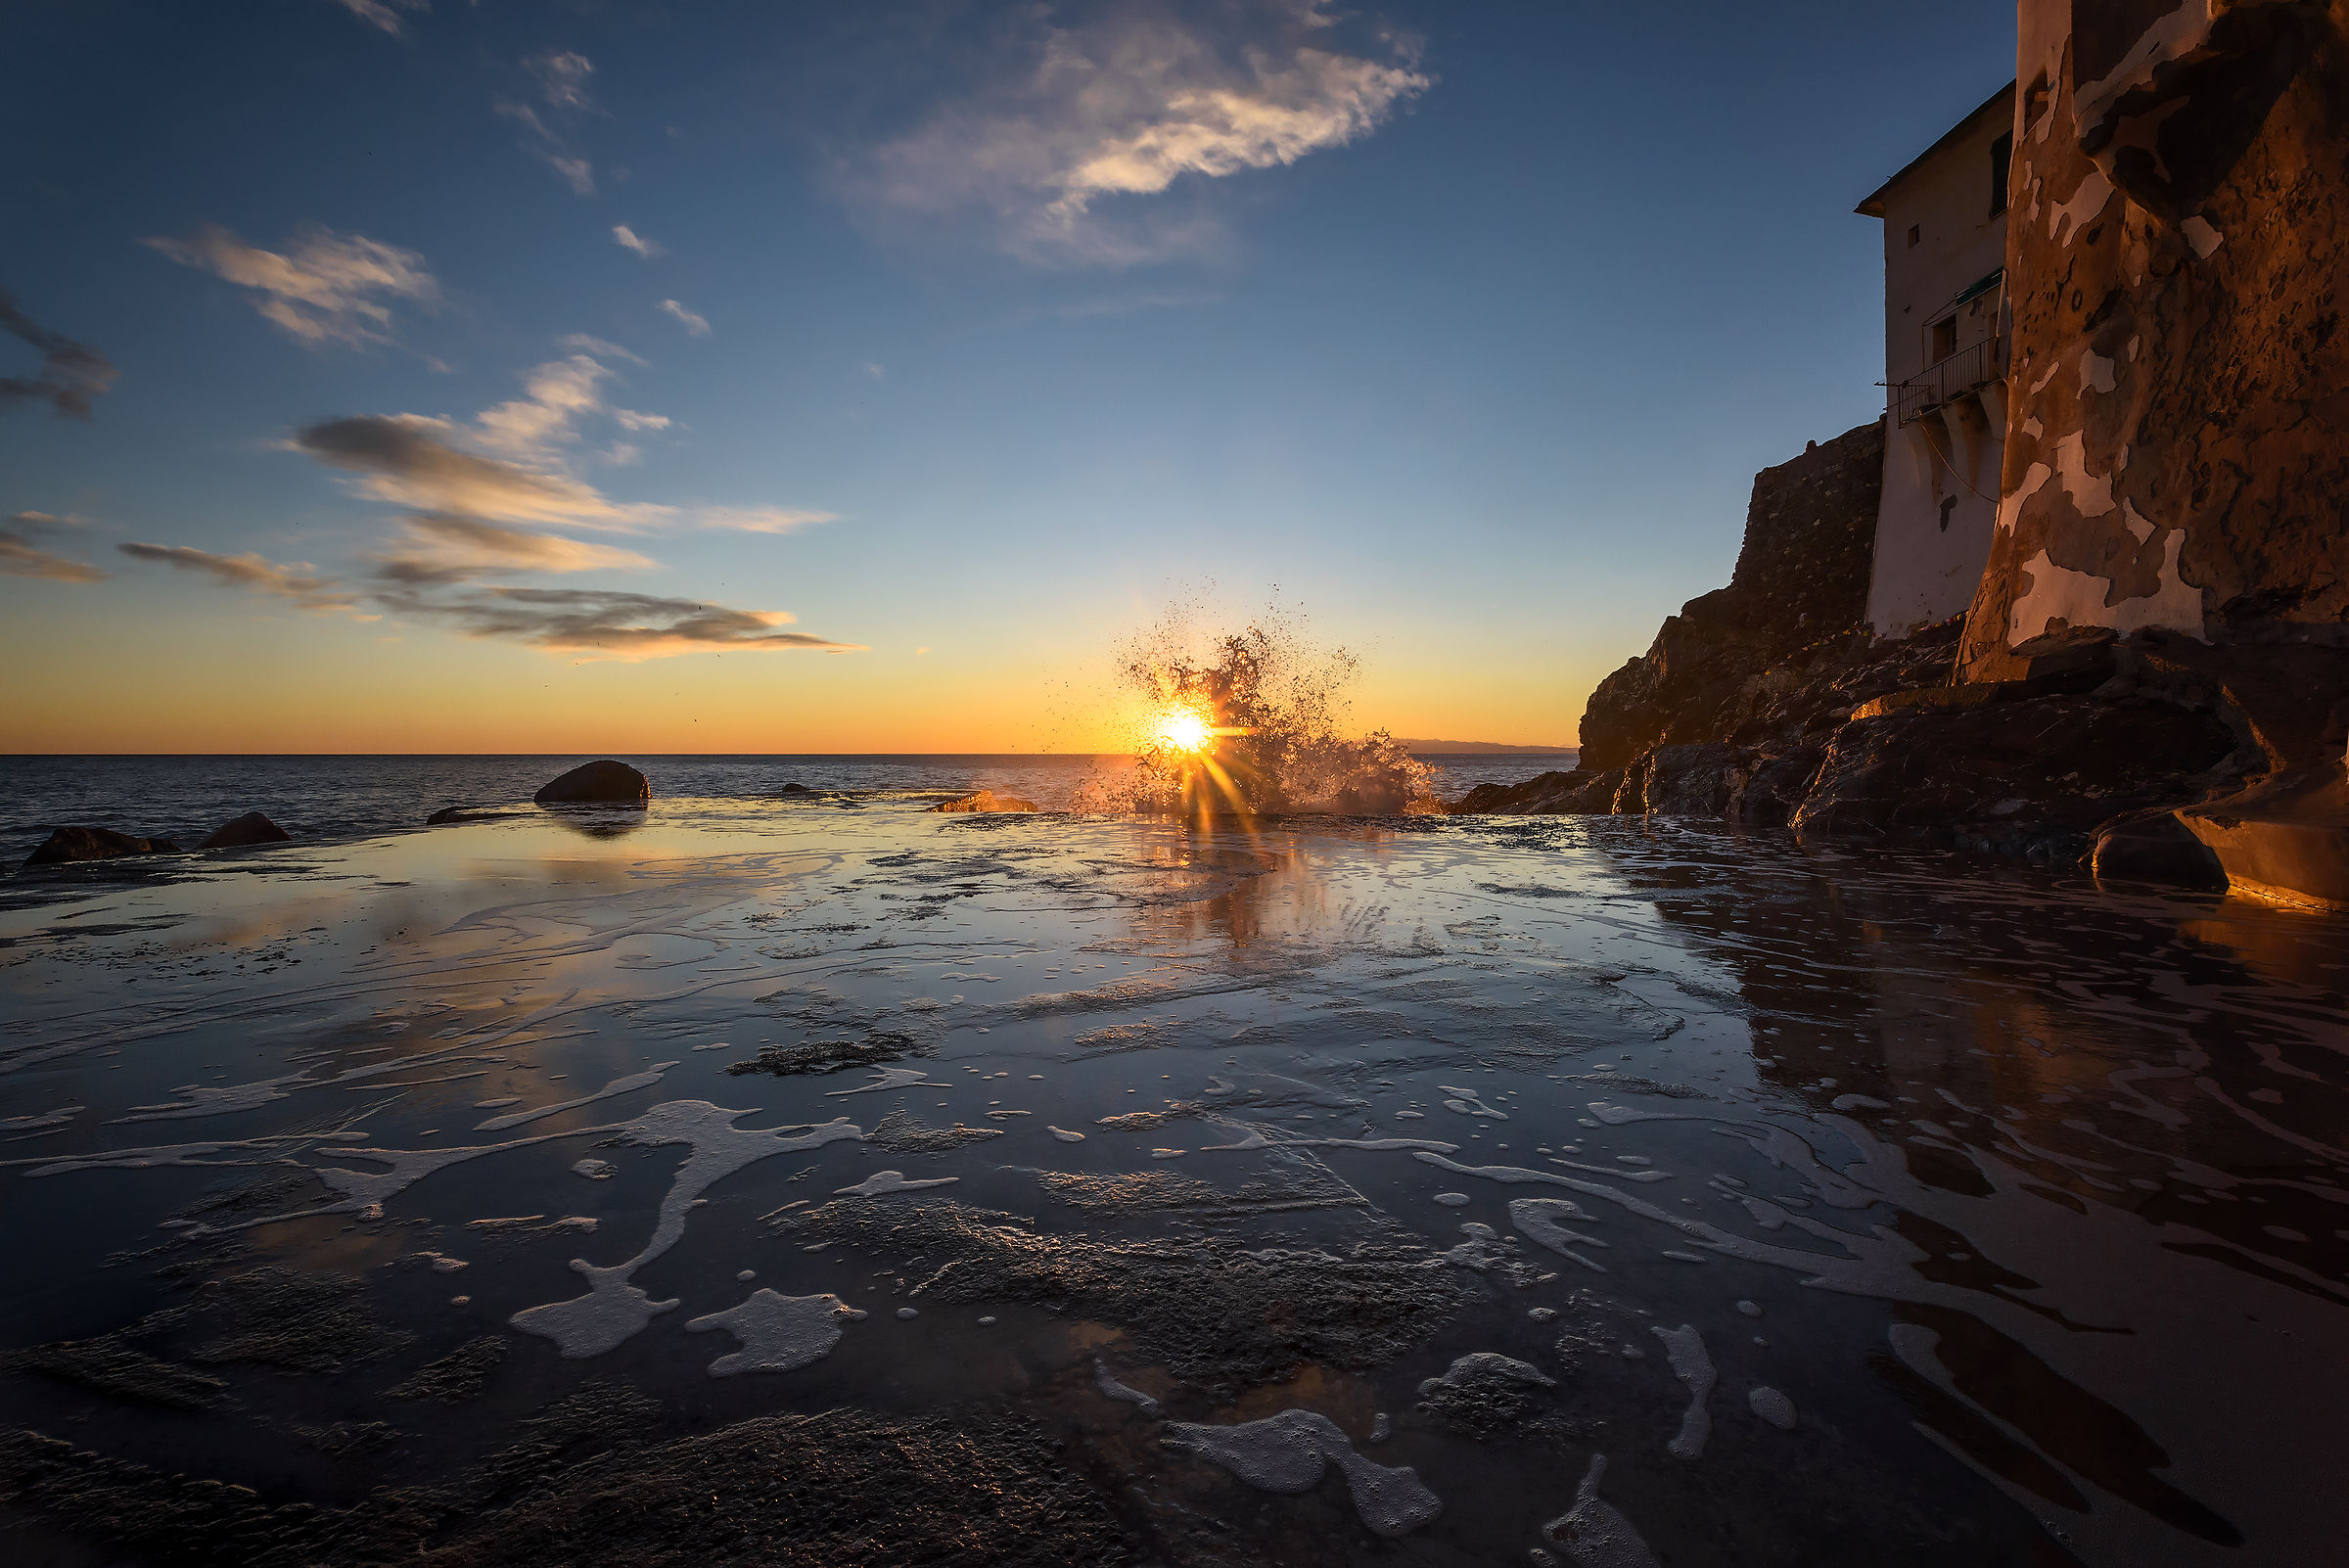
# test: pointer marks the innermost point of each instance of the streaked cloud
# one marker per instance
(384, 13)
(630, 239)
(71, 373)
(600, 624)
(583, 343)
(327, 288)
(1125, 104)
(20, 557)
(410, 460)
(442, 547)
(696, 326)
(759, 519)
(298, 582)
(563, 76)
(560, 392)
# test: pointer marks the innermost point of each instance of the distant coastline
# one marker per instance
(1449, 748)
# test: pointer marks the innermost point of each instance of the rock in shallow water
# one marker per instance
(69, 844)
(604, 783)
(250, 828)
(986, 800)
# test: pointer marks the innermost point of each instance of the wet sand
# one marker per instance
(1099, 1189)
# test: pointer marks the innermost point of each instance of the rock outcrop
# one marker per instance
(605, 783)
(986, 800)
(238, 832)
(69, 844)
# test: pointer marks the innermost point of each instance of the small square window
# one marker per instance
(1916, 233)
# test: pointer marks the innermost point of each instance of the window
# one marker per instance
(2002, 158)
(1941, 340)
(1914, 234)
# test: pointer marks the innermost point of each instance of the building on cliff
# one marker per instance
(1945, 370)
(2151, 677)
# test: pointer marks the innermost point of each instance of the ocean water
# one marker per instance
(740, 1182)
(185, 798)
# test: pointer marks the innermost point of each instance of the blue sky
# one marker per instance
(500, 376)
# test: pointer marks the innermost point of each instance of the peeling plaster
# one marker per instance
(2137, 524)
(2095, 372)
(2011, 506)
(2202, 235)
(2090, 494)
(2079, 598)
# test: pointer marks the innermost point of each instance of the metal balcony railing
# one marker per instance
(1974, 366)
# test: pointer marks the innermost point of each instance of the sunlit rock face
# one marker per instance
(2178, 250)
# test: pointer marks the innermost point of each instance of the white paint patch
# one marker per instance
(1291, 1451)
(2090, 494)
(2135, 525)
(2202, 235)
(2035, 478)
(1593, 1532)
(880, 1183)
(779, 1333)
(1538, 1219)
(619, 1085)
(1684, 1349)
(2079, 597)
(2033, 428)
(2095, 372)
(1772, 1407)
(2066, 221)
(1112, 1389)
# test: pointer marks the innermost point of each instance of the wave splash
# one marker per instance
(1252, 721)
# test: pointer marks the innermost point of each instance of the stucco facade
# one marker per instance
(1945, 421)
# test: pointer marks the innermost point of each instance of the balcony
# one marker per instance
(1968, 370)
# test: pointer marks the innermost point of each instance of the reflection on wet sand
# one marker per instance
(1563, 1184)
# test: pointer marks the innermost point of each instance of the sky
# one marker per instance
(644, 376)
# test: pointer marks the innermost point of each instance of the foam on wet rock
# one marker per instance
(1289, 1452)
(1112, 1389)
(1684, 1349)
(619, 1085)
(1538, 1219)
(779, 1333)
(1593, 1532)
(1772, 1407)
(883, 1182)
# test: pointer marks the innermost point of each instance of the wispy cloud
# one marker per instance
(760, 518)
(71, 373)
(582, 343)
(384, 13)
(328, 288)
(601, 625)
(441, 547)
(298, 582)
(630, 239)
(1124, 105)
(410, 460)
(20, 557)
(696, 326)
(561, 78)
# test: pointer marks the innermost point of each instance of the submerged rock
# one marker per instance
(986, 800)
(250, 828)
(605, 783)
(69, 844)
(1291, 1451)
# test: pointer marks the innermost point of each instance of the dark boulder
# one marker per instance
(2155, 847)
(1691, 780)
(250, 828)
(445, 816)
(605, 783)
(69, 844)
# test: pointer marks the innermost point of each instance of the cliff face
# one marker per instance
(1801, 580)
(2178, 250)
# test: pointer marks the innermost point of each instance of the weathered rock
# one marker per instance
(2034, 779)
(605, 783)
(445, 816)
(986, 800)
(2155, 847)
(1691, 780)
(1801, 580)
(250, 828)
(69, 844)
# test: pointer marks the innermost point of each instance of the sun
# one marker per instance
(1183, 731)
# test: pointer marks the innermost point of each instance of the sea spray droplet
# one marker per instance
(1290, 1451)
(779, 1333)
(1685, 1348)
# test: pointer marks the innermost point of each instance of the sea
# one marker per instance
(330, 798)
